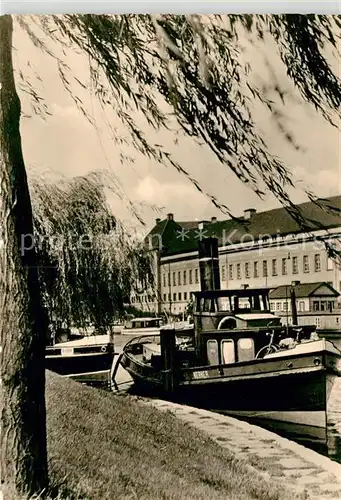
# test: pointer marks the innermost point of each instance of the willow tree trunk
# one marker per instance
(22, 332)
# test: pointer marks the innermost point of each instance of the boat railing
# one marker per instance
(151, 339)
(142, 339)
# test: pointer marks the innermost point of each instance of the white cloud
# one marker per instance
(151, 190)
(68, 144)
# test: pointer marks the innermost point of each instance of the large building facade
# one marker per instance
(259, 249)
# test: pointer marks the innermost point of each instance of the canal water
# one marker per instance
(330, 446)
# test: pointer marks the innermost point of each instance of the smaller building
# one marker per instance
(317, 304)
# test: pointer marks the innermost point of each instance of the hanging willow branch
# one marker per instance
(191, 63)
(88, 265)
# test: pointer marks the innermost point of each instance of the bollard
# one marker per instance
(168, 345)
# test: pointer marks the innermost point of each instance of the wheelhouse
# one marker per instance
(232, 301)
(228, 309)
(232, 326)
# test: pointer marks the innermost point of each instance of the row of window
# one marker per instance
(286, 306)
(235, 270)
(150, 298)
(180, 278)
(323, 305)
(176, 297)
(239, 271)
(143, 298)
(318, 321)
(226, 351)
(317, 305)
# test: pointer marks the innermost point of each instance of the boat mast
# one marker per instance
(293, 304)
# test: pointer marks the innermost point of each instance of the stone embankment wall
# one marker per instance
(309, 474)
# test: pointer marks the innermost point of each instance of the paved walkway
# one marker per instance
(310, 475)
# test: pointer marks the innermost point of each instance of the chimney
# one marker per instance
(209, 264)
(170, 216)
(157, 221)
(209, 280)
(248, 213)
(213, 220)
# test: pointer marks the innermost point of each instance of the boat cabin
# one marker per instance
(143, 323)
(233, 309)
(235, 325)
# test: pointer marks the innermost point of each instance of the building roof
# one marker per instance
(302, 290)
(182, 237)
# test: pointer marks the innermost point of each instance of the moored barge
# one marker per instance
(87, 360)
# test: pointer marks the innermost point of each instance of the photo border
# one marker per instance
(171, 7)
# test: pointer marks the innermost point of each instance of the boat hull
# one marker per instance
(87, 360)
(92, 369)
(291, 392)
(296, 401)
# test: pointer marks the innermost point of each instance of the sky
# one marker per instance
(66, 144)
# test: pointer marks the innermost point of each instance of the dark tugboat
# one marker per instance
(239, 359)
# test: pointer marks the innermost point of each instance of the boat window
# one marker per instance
(256, 303)
(235, 303)
(212, 352)
(228, 355)
(245, 303)
(246, 349)
(259, 302)
(265, 302)
(224, 304)
(207, 305)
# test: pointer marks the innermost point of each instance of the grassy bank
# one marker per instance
(103, 446)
